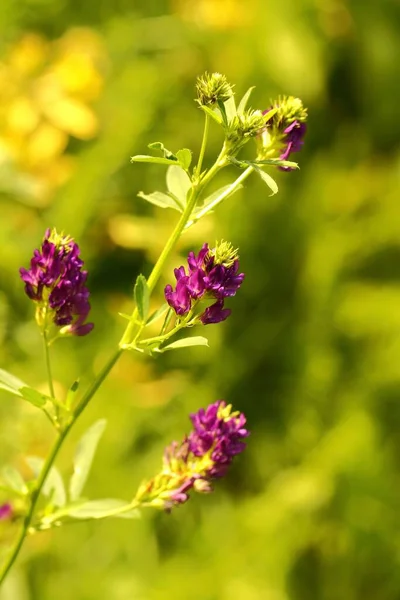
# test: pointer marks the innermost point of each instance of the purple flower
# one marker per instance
(217, 436)
(215, 313)
(284, 131)
(6, 511)
(56, 282)
(211, 274)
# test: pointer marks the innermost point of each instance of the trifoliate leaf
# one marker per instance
(166, 153)
(178, 183)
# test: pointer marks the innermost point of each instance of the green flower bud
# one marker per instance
(212, 89)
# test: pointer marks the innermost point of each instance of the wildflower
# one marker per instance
(212, 274)
(6, 511)
(284, 130)
(56, 282)
(205, 454)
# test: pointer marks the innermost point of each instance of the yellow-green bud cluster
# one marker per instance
(225, 254)
(212, 89)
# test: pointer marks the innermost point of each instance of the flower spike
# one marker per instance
(56, 282)
(217, 436)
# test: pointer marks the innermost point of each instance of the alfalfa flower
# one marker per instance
(284, 131)
(205, 454)
(212, 274)
(56, 282)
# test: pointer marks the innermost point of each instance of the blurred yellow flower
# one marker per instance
(46, 92)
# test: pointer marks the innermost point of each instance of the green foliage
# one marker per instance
(83, 459)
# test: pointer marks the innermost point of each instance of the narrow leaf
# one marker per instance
(10, 383)
(271, 183)
(178, 183)
(230, 108)
(54, 485)
(211, 113)
(100, 509)
(84, 455)
(224, 192)
(186, 343)
(244, 101)
(166, 153)
(157, 314)
(184, 157)
(14, 480)
(159, 160)
(222, 110)
(141, 294)
(161, 199)
(276, 162)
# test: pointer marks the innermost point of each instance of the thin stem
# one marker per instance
(155, 275)
(48, 363)
(134, 328)
(50, 461)
(203, 145)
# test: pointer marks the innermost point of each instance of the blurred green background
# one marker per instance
(311, 352)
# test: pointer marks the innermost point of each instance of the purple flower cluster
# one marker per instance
(211, 274)
(56, 281)
(219, 433)
(285, 129)
(217, 437)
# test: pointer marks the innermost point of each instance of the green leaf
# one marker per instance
(274, 161)
(211, 113)
(10, 383)
(184, 157)
(222, 109)
(178, 183)
(271, 183)
(141, 294)
(244, 100)
(221, 192)
(186, 343)
(157, 314)
(34, 397)
(230, 108)
(161, 199)
(13, 479)
(54, 485)
(100, 509)
(83, 459)
(166, 153)
(159, 160)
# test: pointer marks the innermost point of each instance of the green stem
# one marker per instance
(50, 461)
(48, 363)
(134, 328)
(129, 332)
(203, 145)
